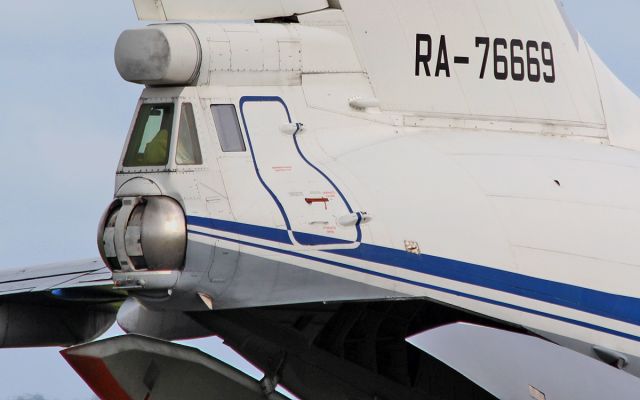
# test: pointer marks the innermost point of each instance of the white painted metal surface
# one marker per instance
(385, 35)
(167, 10)
(519, 367)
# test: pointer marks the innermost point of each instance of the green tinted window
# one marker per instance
(149, 143)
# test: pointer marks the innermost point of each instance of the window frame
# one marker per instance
(170, 165)
(194, 105)
(242, 136)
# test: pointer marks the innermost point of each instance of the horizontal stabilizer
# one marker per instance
(57, 304)
(75, 274)
(137, 367)
(514, 366)
(212, 10)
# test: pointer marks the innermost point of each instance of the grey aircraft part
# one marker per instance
(56, 304)
(158, 55)
(137, 367)
(143, 234)
(348, 351)
(239, 280)
(83, 273)
(516, 366)
(234, 279)
(138, 187)
(52, 322)
(133, 317)
(624, 362)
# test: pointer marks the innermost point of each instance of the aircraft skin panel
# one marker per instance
(408, 268)
(318, 204)
(168, 10)
(138, 367)
(621, 107)
(432, 64)
(515, 366)
(256, 276)
(475, 170)
(480, 289)
(513, 178)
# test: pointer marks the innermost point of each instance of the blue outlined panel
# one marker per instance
(309, 201)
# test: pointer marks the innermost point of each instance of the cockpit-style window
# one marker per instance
(188, 150)
(149, 143)
(228, 127)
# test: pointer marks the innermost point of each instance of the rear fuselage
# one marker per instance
(302, 178)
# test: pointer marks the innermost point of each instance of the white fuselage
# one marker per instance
(533, 230)
(359, 179)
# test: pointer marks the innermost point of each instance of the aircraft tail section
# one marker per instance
(621, 107)
(503, 65)
(491, 60)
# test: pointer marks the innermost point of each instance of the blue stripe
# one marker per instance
(428, 286)
(617, 307)
(626, 309)
(302, 238)
(254, 231)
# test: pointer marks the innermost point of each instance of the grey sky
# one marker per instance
(64, 112)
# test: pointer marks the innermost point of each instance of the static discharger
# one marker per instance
(536, 393)
(206, 299)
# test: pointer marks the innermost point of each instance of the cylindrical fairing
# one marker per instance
(159, 55)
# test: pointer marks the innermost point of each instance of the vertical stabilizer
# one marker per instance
(482, 59)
